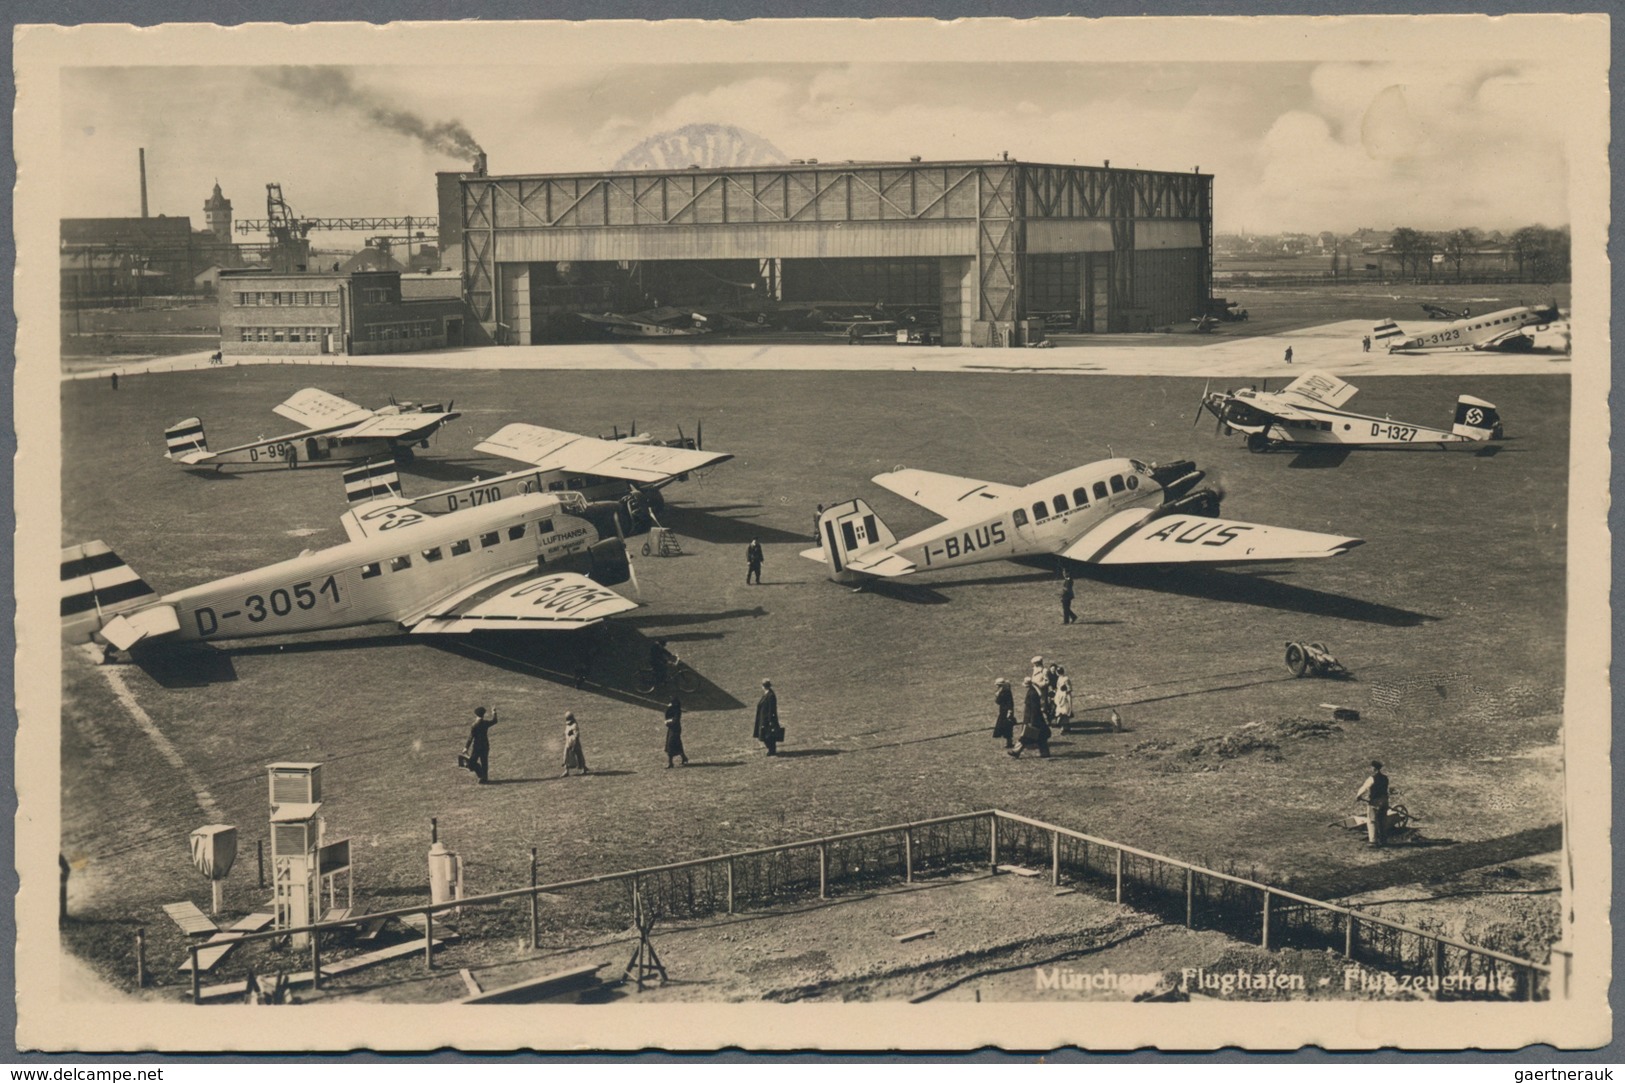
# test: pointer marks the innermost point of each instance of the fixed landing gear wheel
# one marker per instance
(1257, 442)
(1297, 659)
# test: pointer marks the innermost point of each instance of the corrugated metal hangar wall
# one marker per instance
(988, 243)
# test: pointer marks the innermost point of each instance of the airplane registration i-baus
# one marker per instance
(1307, 413)
(335, 429)
(533, 561)
(1503, 330)
(1116, 511)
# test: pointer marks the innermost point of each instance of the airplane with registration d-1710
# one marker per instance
(335, 428)
(1307, 413)
(1117, 511)
(632, 470)
(533, 561)
(1503, 330)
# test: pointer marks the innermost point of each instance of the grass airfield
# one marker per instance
(886, 694)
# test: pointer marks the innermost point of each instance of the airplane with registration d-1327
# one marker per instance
(1116, 511)
(533, 561)
(335, 428)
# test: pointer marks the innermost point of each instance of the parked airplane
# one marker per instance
(1307, 413)
(1117, 511)
(1503, 330)
(632, 470)
(533, 561)
(651, 323)
(335, 429)
(1439, 312)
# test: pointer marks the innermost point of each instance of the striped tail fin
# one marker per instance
(97, 584)
(184, 441)
(1386, 331)
(371, 481)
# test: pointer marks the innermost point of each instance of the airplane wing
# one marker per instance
(945, 494)
(401, 426)
(1139, 536)
(560, 601)
(316, 409)
(368, 519)
(1320, 389)
(553, 449)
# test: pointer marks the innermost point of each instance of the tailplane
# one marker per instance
(1387, 333)
(1476, 419)
(97, 586)
(371, 481)
(855, 543)
(184, 441)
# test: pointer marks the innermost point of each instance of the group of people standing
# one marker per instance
(1047, 702)
(476, 754)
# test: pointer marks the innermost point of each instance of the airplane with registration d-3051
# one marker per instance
(335, 429)
(1117, 511)
(1503, 330)
(1307, 413)
(632, 470)
(533, 561)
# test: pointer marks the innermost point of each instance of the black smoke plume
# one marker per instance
(333, 88)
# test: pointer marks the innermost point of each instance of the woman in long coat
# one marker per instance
(1063, 697)
(573, 754)
(767, 719)
(1005, 725)
(674, 732)
(1034, 729)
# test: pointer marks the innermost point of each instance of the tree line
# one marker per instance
(1542, 254)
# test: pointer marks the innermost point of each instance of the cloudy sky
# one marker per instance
(1294, 145)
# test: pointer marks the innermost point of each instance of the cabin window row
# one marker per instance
(457, 548)
(1080, 498)
(246, 298)
(284, 334)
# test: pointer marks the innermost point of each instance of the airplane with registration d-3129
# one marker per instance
(335, 428)
(1307, 413)
(632, 470)
(1117, 511)
(1504, 330)
(533, 561)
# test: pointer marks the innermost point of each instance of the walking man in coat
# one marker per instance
(1005, 724)
(767, 728)
(478, 749)
(574, 755)
(817, 515)
(1067, 616)
(1289, 355)
(1374, 792)
(1034, 728)
(753, 561)
(674, 732)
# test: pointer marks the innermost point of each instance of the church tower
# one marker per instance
(217, 215)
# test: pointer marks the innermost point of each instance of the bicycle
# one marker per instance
(678, 676)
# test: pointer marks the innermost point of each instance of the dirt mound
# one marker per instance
(1207, 753)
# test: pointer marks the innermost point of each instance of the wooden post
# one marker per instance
(259, 856)
(141, 958)
(1055, 858)
(993, 844)
(1348, 937)
(908, 855)
(1119, 893)
(315, 958)
(535, 906)
(217, 896)
(823, 870)
(1437, 967)
(1190, 899)
(197, 976)
(730, 885)
(428, 940)
(1264, 941)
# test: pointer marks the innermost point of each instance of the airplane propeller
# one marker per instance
(1200, 403)
(631, 567)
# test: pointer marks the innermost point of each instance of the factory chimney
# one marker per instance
(479, 164)
(143, 153)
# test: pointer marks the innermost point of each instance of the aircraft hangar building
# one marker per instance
(988, 244)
